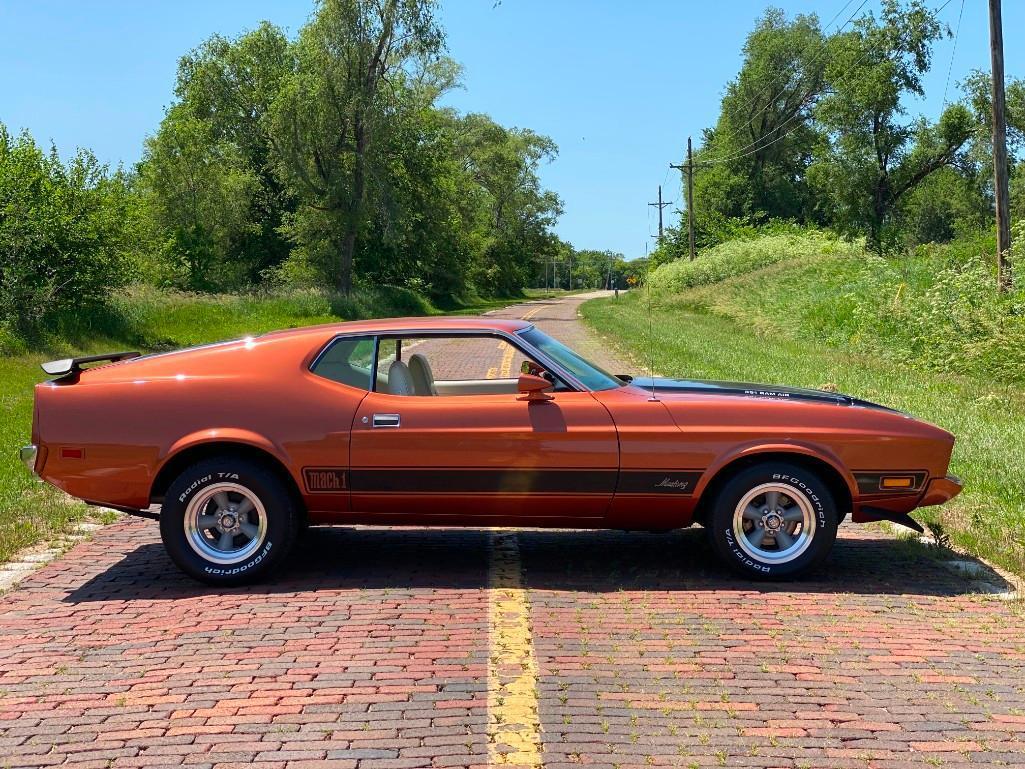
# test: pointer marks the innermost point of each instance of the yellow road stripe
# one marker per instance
(531, 313)
(505, 370)
(514, 728)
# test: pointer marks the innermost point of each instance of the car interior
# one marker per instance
(439, 367)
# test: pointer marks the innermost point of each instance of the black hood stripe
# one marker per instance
(750, 390)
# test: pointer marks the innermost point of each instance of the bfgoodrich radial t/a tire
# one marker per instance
(228, 521)
(773, 520)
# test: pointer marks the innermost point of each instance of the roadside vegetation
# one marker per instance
(925, 334)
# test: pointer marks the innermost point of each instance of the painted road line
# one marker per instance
(505, 369)
(514, 727)
(531, 313)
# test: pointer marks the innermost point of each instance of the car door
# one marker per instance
(478, 450)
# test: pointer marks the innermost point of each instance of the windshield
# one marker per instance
(592, 377)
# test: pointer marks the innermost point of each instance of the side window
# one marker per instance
(349, 361)
(450, 366)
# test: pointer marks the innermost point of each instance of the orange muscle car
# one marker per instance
(235, 447)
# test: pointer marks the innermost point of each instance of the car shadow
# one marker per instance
(345, 558)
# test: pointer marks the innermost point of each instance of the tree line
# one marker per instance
(326, 160)
(815, 130)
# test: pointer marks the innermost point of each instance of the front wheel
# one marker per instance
(773, 520)
(228, 521)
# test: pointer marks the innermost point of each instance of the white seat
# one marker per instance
(400, 381)
(423, 377)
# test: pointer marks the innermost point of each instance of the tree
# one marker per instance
(199, 192)
(518, 212)
(229, 86)
(978, 92)
(327, 120)
(870, 158)
(65, 233)
(761, 145)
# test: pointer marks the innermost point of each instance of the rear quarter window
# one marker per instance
(349, 361)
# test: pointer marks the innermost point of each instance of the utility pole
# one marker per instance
(1000, 186)
(688, 167)
(660, 205)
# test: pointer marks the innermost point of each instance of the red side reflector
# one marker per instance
(67, 452)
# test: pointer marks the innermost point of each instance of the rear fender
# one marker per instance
(232, 435)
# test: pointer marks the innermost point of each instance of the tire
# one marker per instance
(773, 537)
(261, 517)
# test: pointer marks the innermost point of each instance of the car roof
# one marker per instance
(391, 325)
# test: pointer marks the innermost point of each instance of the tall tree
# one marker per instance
(199, 192)
(229, 85)
(761, 145)
(873, 157)
(332, 108)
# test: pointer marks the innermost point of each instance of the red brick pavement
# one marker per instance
(371, 651)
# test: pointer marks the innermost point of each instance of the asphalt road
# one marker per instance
(414, 647)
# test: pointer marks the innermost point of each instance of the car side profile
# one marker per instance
(235, 447)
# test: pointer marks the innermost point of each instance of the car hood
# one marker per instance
(749, 390)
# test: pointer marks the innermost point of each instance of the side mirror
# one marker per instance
(533, 388)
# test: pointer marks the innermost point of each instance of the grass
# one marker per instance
(758, 327)
(147, 319)
(742, 256)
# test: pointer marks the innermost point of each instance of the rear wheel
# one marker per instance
(773, 520)
(228, 521)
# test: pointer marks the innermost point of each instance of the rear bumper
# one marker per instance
(941, 490)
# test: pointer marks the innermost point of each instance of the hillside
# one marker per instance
(813, 319)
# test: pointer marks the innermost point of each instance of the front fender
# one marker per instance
(796, 448)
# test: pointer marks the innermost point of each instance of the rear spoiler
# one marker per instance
(66, 366)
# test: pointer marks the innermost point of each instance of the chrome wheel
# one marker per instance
(774, 523)
(225, 523)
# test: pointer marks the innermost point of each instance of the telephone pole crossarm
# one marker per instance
(660, 205)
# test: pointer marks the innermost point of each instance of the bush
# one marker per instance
(64, 234)
(737, 257)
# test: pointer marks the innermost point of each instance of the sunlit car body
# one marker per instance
(244, 442)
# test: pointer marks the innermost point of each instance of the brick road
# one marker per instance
(378, 647)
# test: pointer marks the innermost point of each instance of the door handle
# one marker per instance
(386, 420)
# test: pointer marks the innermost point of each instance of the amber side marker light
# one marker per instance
(896, 482)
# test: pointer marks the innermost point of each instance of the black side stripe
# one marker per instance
(658, 481)
(522, 481)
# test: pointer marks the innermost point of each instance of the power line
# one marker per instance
(950, 66)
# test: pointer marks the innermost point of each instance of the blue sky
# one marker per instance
(618, 85)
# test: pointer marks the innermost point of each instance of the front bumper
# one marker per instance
(29, 454)
(941, 490)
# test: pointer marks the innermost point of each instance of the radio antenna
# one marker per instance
(651, 345)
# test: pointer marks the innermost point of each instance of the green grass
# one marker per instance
(147, 319)
(769, 341)
(737, 257)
